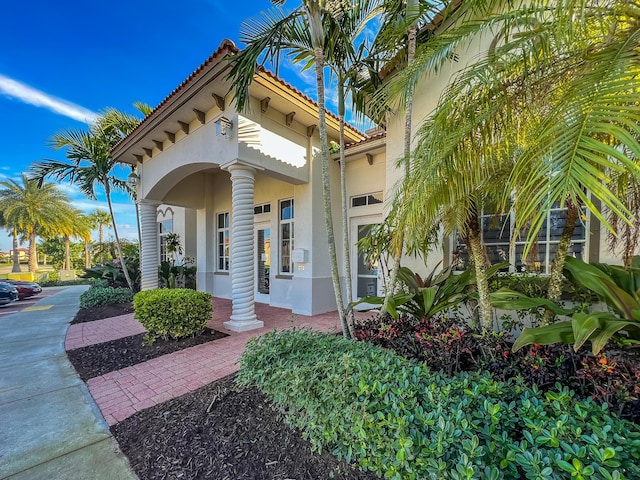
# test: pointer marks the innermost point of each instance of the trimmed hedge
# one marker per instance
(97, 296)
(172, 313)
(402, 421)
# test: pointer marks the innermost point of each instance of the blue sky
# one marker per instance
(63, 61)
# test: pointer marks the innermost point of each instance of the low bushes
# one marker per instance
(172, 313)
(100, 295)
(451, 346)
(400, 420)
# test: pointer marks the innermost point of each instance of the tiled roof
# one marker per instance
(226, 47)
(368, 139)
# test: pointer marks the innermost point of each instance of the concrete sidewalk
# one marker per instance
(50, 426)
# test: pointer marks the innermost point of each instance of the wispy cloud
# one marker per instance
(20, 91)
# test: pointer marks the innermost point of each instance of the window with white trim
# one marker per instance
(368, 199)
(165, 227)
(286, 236)
(497, 231)
(260, 209)
(223, 235)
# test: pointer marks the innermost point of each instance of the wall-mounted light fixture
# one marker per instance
(133, 178)
(223, 127)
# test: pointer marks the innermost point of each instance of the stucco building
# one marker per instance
(243, 191)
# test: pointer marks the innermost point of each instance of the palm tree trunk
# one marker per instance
(555, 279)
(412, 36)
(67, 253)
(101, 241)
(345, 207)
(123, 265)
(326, 190)
(87, 259)
(479, 265)
(33, 253)
(16, 253)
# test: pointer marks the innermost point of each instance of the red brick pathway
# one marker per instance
(122, 393)
(100, 331)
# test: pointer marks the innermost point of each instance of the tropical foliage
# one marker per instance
(618, 287)
(403, 421)
(34, 210)
(90, 164)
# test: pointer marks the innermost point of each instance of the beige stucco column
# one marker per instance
(149, 254)
(243, 267)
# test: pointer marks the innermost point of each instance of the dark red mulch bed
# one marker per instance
(95, 360)
(218, 432)
(104, 311)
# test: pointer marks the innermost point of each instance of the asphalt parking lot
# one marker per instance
(27, 303)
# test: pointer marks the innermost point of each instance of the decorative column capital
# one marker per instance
(239, 167)
(144, 202)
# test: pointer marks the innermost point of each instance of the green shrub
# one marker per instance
(400, 420)
(172, 313)
(97, 296)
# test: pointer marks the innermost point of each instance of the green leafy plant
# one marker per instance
(170, 273)
(112, 272)
(424, 297)
(402, 421)
(172, 313)
(618, 287)
(97, 296)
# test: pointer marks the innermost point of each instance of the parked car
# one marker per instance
(8, 293)
(25, 289)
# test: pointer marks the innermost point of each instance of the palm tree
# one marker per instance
(91, 163)
(556, 96)
(267, 37)
(101, 220)
(14, 234)
(347, 60)
(33, 209)
(408, 12)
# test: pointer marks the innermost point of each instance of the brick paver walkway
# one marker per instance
(100, 331)
(122, 393)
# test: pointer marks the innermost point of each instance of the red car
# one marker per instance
(25, 289)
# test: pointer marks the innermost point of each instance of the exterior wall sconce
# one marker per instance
(223, 127)
(133, 179)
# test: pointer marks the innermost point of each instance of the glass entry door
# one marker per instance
(263, 262)
(366, 281)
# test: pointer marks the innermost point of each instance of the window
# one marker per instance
(165, 228)
(369, 199)
(497, 231)
(224, 238)
(286, 236)
(264, 208)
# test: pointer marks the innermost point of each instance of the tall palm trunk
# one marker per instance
(482, 283)
(87, 257)
(67, 253)
(33, 253)
(412, 35)
(16, 253)
(326, 190)
(345, 209)
(123, 265)
(101, 241)
(555, 279)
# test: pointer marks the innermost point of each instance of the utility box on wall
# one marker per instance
(300, 255)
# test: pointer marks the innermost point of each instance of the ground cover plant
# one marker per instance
(98, 295)
(399, 419)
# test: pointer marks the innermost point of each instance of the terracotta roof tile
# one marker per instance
(227, 46)
(369, 138)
